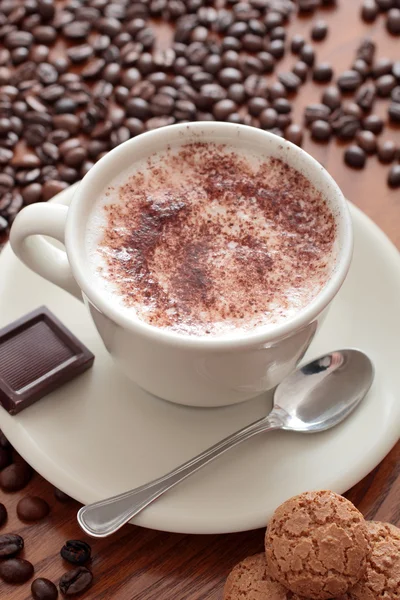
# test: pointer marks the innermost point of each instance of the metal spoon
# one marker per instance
(313, 398)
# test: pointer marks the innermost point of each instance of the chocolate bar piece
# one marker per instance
(38, 354)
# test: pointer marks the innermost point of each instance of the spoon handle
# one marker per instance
(105, 517)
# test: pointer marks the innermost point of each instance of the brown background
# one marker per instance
(149, 565)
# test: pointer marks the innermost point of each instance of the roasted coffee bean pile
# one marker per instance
(345, 110)
(79, 77)
(30, 509)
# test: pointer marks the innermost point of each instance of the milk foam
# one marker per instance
(250, 249)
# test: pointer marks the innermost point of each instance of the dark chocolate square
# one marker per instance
(38, 354)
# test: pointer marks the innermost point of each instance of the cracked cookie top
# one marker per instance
(250, 580)
(317, 545)
(382, 578)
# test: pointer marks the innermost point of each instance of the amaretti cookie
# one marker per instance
(317, 545)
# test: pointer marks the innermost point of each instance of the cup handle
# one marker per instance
(37, 253)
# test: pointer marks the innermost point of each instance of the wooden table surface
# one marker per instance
(140, 564)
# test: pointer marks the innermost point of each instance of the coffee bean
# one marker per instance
(16, 570)
(367, 141)
(44, 34)
(323, 73)
(355, 157)
(394, 176)
(277, 49)
(345, 126)
(386, 151)
(297, 43)
(256, 85)
(332, 97)
(46, 9)
(301, 70)
(365, 96)
(394, 112)
(315, 112)
(6, 183)
(5, 156)
(382, 66)
(223, 108)
(256, 105)
(268, 118)
(385, 84)
(273, 19)
(307, 55)
(67, 122)
(76, 582)
(395, 94)
(76, 552)
(393, 21)
(294, 134)
(237, 93)
(277, 33)
(361, 66)
(373, 123)
(319, 31)
(308, 5)
(61, 496)
(75, 157)
(267, 60)
(321, 130)
(3, 515)
(369, 11)
(32, 193)
(366, 51)
(353, 109)
(230, 58)
(79, 54)
(10, 545)
(32, 508)
(290, 81)
(229, 75)
(5, 455)
(15, 39)
(282, 105)
(396, 70)
(77, 30)
(349, 81)
(43, 589)
(15, 476)
(385, 4)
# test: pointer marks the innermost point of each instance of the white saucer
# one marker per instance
(100, 435)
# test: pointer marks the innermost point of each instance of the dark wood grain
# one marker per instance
(139, 564)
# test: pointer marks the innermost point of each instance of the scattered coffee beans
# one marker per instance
(321, 130)
(386, 151)
(43, 589)
(16, 570)
(15, 477)
(75, 582)
(32, 508)
(10, 545)
(76, 552)
(61, 496)
(394, 176)
(355, 157)
(367, 141)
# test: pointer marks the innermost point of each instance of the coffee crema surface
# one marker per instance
(206, 239)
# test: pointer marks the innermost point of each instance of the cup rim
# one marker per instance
(260, 334)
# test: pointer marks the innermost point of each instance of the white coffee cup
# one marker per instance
(192, 370)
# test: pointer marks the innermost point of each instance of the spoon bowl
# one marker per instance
(322, 393)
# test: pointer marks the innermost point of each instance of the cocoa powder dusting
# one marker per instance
(205, 240)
